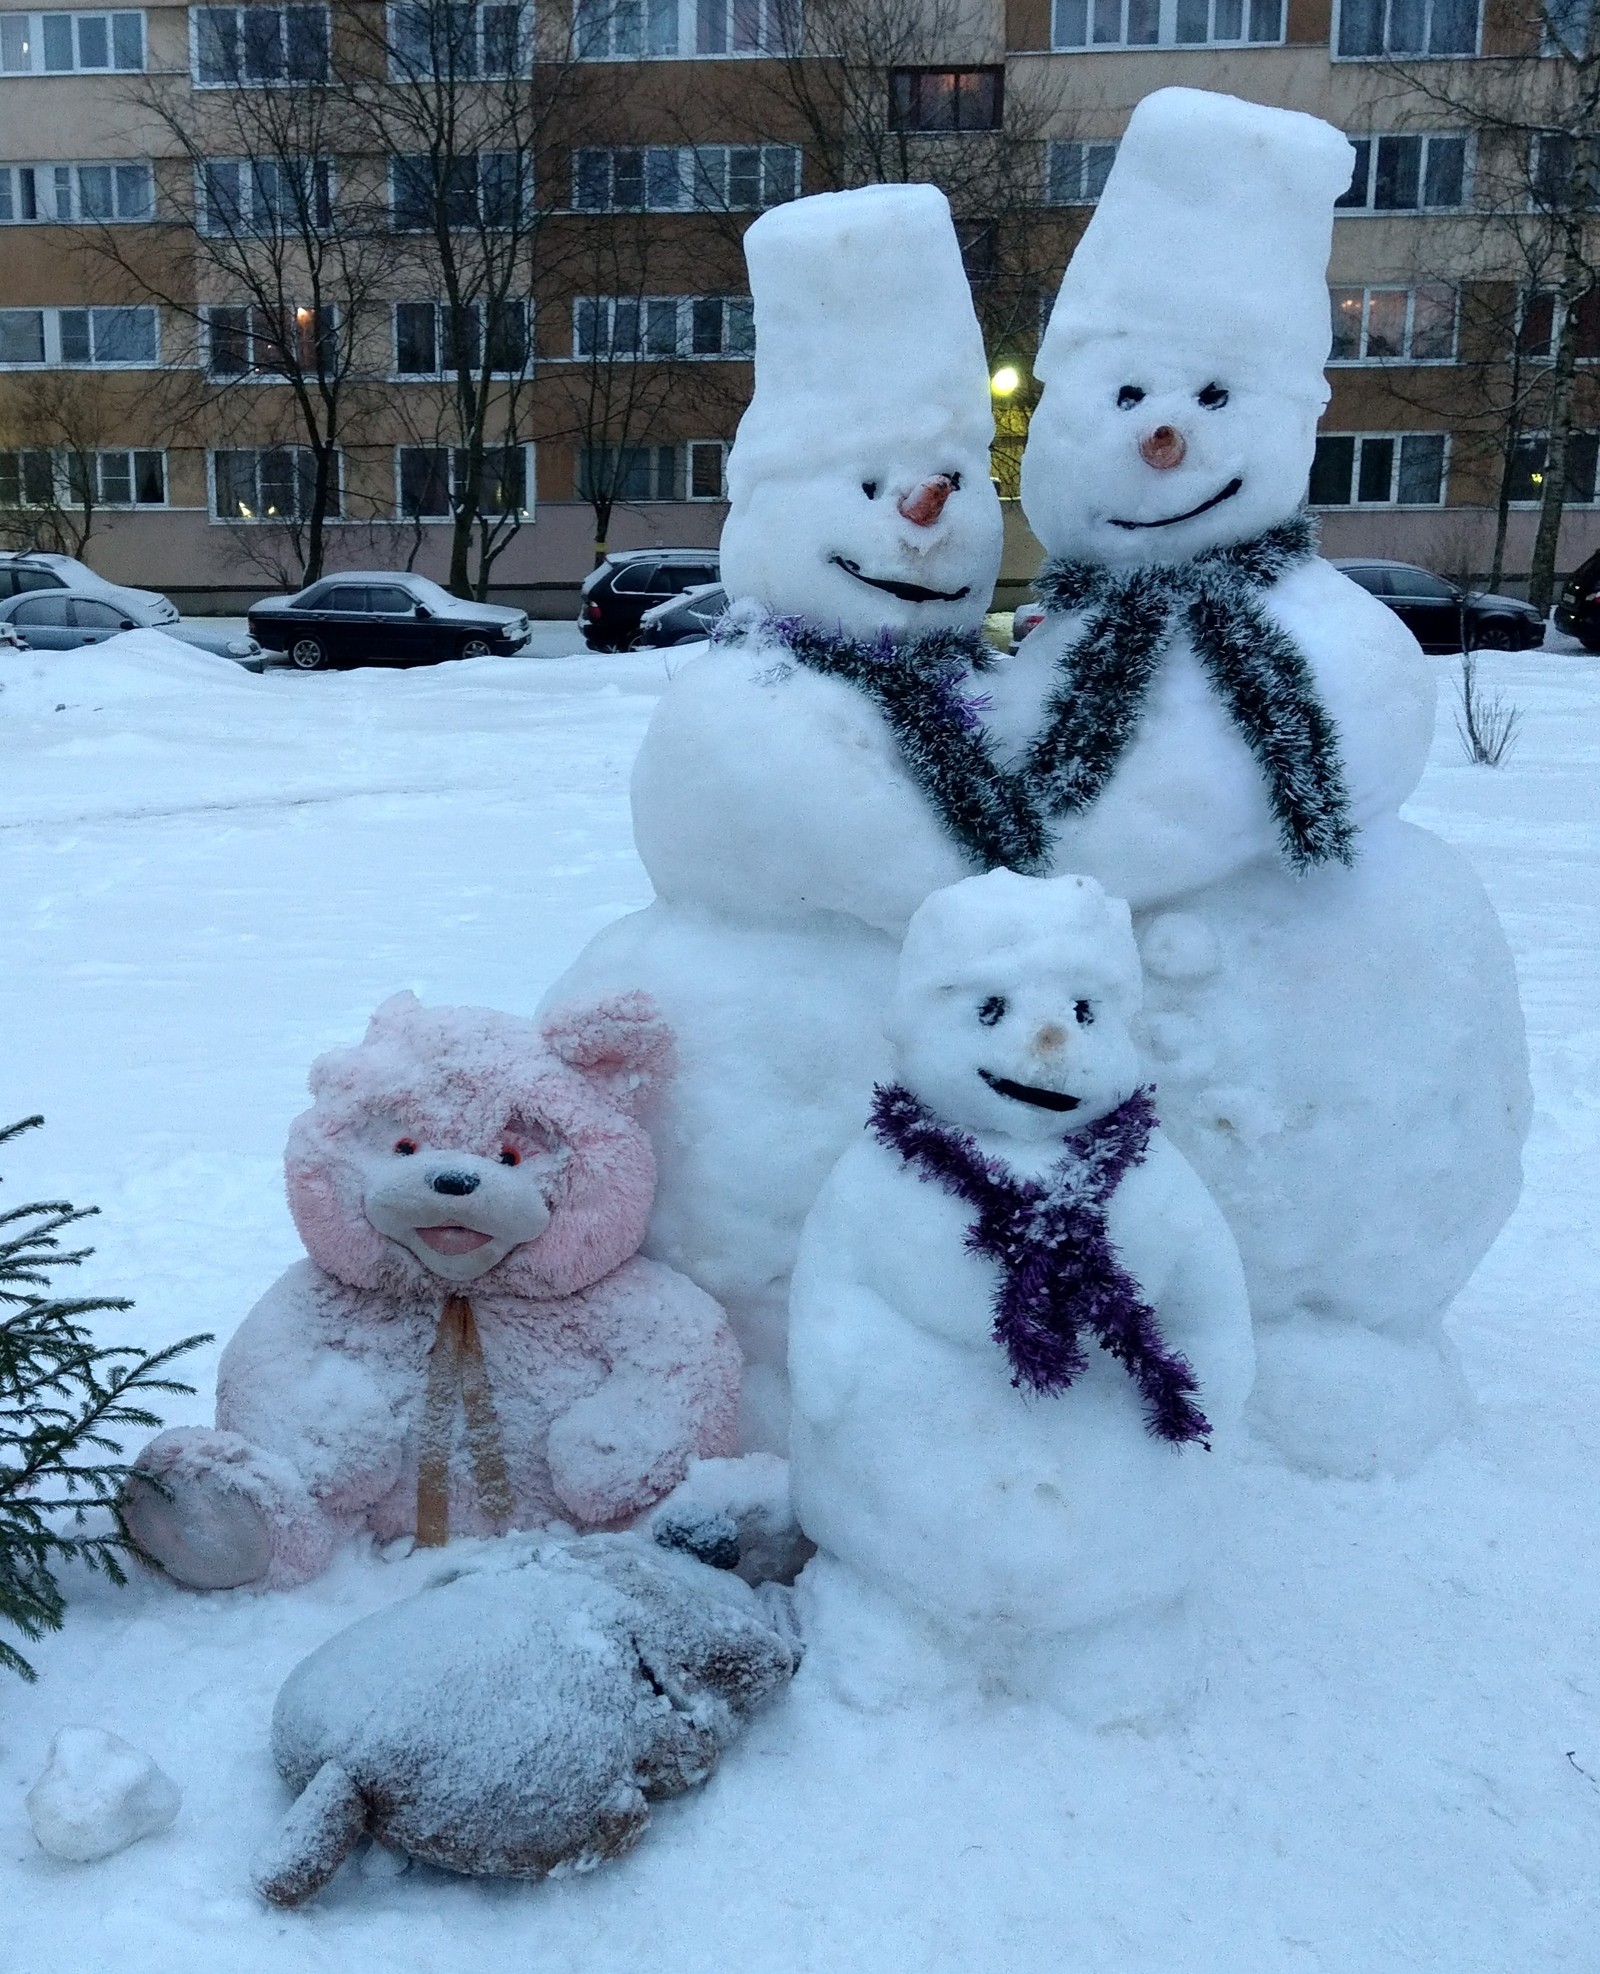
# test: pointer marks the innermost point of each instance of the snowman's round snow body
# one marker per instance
(1221, 727)
(998, 1503)
(787, 837)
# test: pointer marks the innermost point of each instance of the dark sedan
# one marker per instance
(1578, 612)
(383, 618)
(686, 619)
(1443, 618)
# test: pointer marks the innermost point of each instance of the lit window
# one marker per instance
(267, 483)
(1528, 467)
(934, 100)
(1378, 325)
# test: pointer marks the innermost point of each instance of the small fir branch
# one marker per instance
(66, 1403)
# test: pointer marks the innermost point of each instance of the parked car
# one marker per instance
(686, 619)
(383, 617)
(1578, 611)
(1442, 617)
(1026, 617)
(33, 569)
(65, 619)
(628, 583)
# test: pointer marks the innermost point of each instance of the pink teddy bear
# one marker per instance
(474, 1343)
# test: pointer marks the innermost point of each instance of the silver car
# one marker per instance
(32, 569)
(67, 619)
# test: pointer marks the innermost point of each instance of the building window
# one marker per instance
(637, 474)
(1076, 174)
(267, 483)
(241, 342)
(1378, 469)
(446, 39)
(1163, 23)
(685, 178)
(425, 344)
(946, 99)
(117, 479)
(1384, 325)
(432, 480)
(78, 338)
(262, 196)
(1527, 471)
(622, 29)
(1407, 27)
(1553, 180)
(70, 194)
(1536, 334)
(487, 189)
(1567, 26)
(251, 47)
(59, 44)
(1408, 174)
(662, 326)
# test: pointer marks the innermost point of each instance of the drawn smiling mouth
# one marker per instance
(1030, 1093)
(1172, 520)
(906, 592)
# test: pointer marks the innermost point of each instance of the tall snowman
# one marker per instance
(1221, 728)
(806, 782)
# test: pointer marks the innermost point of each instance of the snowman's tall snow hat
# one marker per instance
(864, 327)
(1212, 234)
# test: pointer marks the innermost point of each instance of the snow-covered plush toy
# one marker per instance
(808, 780)
(519, 1715)
(473, 1344)
(1221, 727)
(1020, 1341)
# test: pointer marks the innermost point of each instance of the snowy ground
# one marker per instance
(210, 876)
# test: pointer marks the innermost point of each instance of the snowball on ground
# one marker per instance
(98, 1795)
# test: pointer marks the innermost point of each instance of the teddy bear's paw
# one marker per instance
(202, 1533)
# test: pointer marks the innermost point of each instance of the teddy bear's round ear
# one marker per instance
(391, 1014)
(621, 1042)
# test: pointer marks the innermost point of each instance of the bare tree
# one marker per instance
(1533, 106)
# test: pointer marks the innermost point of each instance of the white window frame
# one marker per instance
(45, 187)
(686, 177)
(1388, 52)
(441, 312)
(670, 30)
(257, 329)
(22, 48)
(1076, 170)
(264, 520)
(705, 447)
(258, 9)
(1427, 138)
(399, 71)
(128, 455)
(251, 224)
(56, 329)
(1411, 291)
(530, 484)
(525, 192)
(1099, 17)
(737, 332)
(1543, 438)
(1397, 439)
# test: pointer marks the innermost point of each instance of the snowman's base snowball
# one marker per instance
(1336, 1399)
(97, 1795)
(1140, 1670)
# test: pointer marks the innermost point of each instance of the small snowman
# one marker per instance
(808, 780)
(1221, 727)
(1020, 1341)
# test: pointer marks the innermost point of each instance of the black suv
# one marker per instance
(632, 581)
(1578, 609)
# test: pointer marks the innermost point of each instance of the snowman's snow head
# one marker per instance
(1183, 362)
(1012, 1003)
(859, 486)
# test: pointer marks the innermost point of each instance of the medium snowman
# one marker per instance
(1020, 1340)
(808, 780)
(1221, 727)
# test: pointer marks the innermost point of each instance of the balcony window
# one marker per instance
(1088, 24)
(1385, 325)
(264, 197)
(487, 189)
(257, 45)
(426, 346)
(444, 39)
(1076, 173)
(685, 178)
(60, 44)
(662, 326)
(69, 194)
(940, 100)
(623, 30)
(1408, 174)
(1406, 27)
(79, 338)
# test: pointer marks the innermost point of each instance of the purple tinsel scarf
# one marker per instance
(1060, 1274)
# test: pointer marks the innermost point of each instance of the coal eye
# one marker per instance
(1083, 1013)
(1213, 397)
(509, 1155)
(1128, 396)
(955, 482)
(870, 489)
(993, 1010)
(405, 1146)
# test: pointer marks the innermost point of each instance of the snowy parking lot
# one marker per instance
(210, 876)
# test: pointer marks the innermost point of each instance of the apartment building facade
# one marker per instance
(240, 294)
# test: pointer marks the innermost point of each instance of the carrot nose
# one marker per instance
(924, 504)
(1163, 448)
(1049, 1040)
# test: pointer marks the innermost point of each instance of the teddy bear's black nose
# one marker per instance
(456, 1184)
